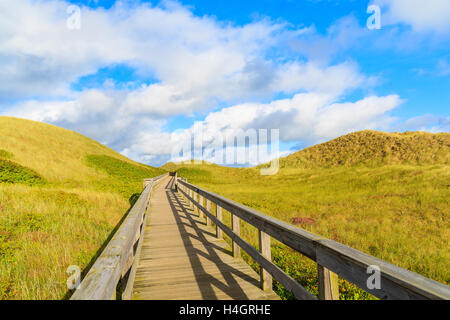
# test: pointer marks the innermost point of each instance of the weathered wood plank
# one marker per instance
(219, 216)
(200, 200)
(264, 249)
(208, 207)
(236, 223)
(328, 284)
(126, 295)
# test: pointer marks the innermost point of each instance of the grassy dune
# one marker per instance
(373, 149)
(393, 205)
(61, 196)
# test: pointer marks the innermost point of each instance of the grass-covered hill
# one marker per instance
(375, 148)
(385, 194)
(61, 196)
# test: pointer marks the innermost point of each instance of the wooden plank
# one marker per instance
(193, 203)
(239, 278)
(328, 284)
(200, 200)
(193, 293)
(208, 207)
(396, 283)
(173, 272)
(236, 223)
(126, 295)
(264, 249)
(219, 231)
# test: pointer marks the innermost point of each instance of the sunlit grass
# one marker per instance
(399, 213)
(61, 196)
(44, 230)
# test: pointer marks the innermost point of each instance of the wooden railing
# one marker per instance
(333, 259)
(117, 263)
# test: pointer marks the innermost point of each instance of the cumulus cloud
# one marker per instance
(307, 117)
(39, 55)
(428, 122)
(101, 115)
(196, 60)
(431, 15)
(190, 56)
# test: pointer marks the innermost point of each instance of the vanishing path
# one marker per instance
(181, 257)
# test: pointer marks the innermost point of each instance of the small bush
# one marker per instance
(11, 172)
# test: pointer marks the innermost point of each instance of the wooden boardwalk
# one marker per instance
(181, 258)
(163, 250)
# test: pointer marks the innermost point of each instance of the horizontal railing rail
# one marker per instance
(118, 260)
(334, 259)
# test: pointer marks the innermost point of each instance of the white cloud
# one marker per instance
(307, 117)
(197, 61)
(430, 15)
(190, 56)
(334, 80)
(428, 122)
(39, 55)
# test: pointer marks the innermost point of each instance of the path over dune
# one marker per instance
(181, 258)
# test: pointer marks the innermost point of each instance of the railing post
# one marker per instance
(264, 249)
(201, 200)
(328, 284)
(176, 181)
(196, 200)
(146, 182)
(219, 232)
(235, 221)
(208, 207)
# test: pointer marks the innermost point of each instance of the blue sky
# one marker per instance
(138, 75)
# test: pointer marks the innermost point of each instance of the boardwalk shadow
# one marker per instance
(226, 280)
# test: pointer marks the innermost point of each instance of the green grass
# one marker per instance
(398, 213)
(61, 197)
(123, 175)
(11, 172)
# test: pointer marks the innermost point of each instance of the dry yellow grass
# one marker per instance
(65, 220)
(374, 148)
(389, 205)
(55, 153)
